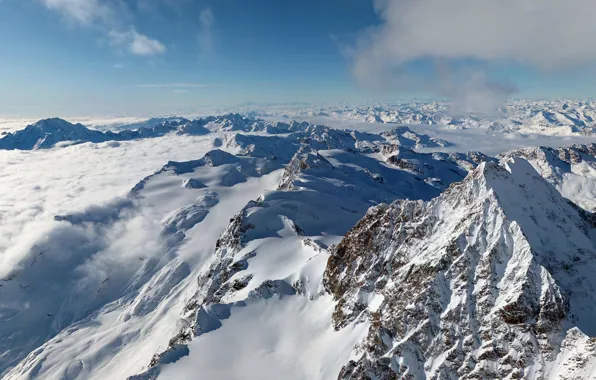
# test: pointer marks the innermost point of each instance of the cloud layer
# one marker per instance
(44, 184)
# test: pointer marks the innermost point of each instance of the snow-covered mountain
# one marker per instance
(493, 279)
(572, 170)
(300, 251)
(48, 133)
(553, 117)
(404, 136)
(557, 117)
(98, 312)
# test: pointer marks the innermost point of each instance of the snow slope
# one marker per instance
(572, 170)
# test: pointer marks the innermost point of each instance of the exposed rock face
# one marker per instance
(477, 283)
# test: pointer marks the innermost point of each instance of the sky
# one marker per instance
(147, 57)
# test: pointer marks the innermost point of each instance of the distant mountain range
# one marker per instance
(552, 117)
(48, 133)
(557, 117)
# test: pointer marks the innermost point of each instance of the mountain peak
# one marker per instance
(477, 282)
(55, 123)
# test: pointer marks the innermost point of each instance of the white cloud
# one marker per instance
(108, 16)
(83, 12)
(547, 34)
(136, 43)
(143, 45)
(206, 22)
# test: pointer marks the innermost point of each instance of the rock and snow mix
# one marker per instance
(245, 263)
(481, 282)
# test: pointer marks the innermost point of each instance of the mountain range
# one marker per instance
(562, 117)
(48, 133)
(295, 250)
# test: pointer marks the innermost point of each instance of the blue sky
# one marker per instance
(259, 51)
(82, 57)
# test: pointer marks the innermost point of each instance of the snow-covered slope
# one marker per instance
(572, 170)
(493, 279)
(109, 287)
(276, 248)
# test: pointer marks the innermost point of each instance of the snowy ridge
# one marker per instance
(572, 170)
(475, 283)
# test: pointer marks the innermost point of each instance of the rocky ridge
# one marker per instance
(473, 284)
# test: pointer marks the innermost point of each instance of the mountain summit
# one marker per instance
(492, 279)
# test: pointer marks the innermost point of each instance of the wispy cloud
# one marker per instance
(82, 12)
(109, 17)
(173, 85)
(136, 43)
(206, 37)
